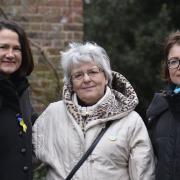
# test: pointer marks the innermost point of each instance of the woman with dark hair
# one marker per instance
(164, 114)
(16, 115)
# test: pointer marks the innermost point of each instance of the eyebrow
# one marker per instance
(6, 44)
(172, 58)
(87, 69)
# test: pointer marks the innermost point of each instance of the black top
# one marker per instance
(16, 145)
(164, 127)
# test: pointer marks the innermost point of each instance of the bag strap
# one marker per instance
(88, 152)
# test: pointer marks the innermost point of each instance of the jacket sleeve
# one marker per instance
(38, 137)
(34, 115)
(42, 135)
(141, 160)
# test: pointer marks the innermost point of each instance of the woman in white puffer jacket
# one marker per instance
(92, 96)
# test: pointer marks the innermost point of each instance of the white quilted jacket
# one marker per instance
(123, 153)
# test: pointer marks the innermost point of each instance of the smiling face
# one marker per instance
(175, 73)
(10, 52)
(90, 87)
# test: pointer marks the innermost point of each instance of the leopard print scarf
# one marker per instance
(118, 100)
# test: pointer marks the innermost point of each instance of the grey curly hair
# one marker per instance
(78, 53)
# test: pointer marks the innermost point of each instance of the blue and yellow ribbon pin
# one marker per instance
(22, 123)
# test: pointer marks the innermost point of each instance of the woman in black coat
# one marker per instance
(164, 115)
(16, 116)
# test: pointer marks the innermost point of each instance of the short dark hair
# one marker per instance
(172, 39)
(27, 64)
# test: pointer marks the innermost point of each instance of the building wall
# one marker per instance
(50, 26)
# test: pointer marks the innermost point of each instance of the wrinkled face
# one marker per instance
(10, 52)
(175, 72)
(88, 82)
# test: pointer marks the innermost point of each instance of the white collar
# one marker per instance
(89, 109)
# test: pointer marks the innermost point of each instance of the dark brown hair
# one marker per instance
(27, 64)
(170, 41)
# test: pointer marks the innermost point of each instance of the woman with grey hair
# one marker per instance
(95, 100)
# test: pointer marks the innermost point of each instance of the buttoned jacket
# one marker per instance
(16, 143)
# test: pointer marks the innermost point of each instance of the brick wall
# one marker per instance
(50, 25)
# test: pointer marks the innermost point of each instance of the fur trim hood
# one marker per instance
(118, 101)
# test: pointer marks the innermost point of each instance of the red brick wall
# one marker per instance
(50, 25)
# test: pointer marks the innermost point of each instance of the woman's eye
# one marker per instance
(3, 47)
(92, 72)
(174, 61)
(77, 75)
(7, 47)
(17, 49)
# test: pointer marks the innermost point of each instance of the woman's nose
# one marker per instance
(86, 77)
(10, 53)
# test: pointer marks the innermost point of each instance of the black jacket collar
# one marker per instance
(158, 105)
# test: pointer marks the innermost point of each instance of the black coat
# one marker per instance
(16, 145)
(164, 127)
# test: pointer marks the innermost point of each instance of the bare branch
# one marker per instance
(3, 13)
(44, 54)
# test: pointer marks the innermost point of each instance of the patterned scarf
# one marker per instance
(117, 101)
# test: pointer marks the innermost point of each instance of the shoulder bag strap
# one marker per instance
(88, 152)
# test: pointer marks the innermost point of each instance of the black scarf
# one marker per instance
(11, 90)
